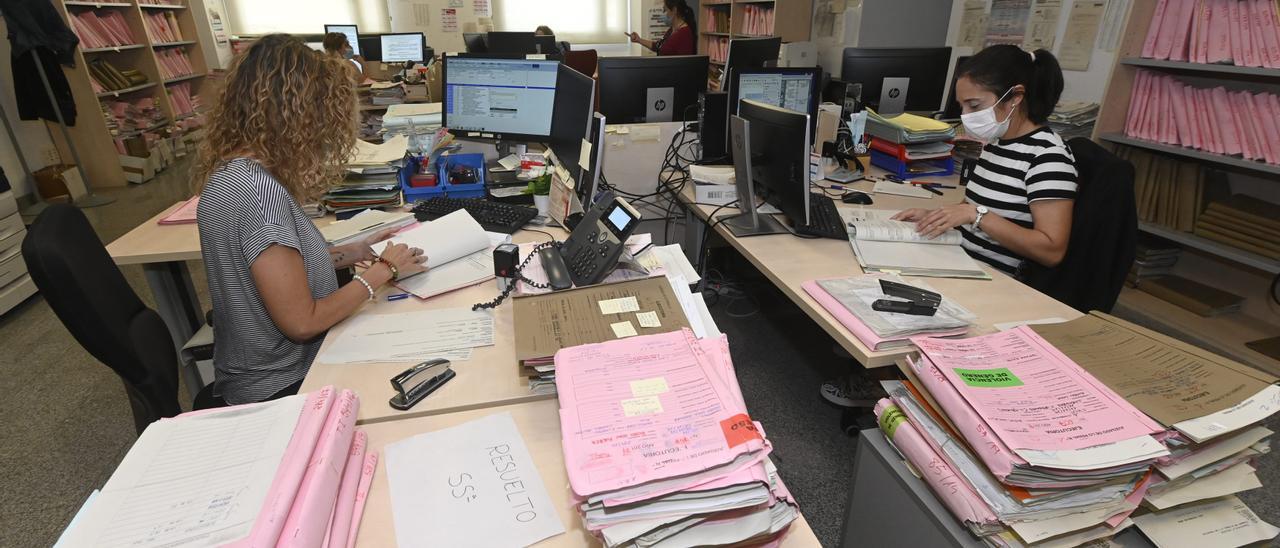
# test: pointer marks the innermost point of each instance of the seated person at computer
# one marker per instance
(280, 129)
(1019, 198)
(337, 45)
(679, 37)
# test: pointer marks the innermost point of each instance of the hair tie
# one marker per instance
(1033, 56)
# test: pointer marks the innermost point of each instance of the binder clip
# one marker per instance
(415, 383)
(919, 302)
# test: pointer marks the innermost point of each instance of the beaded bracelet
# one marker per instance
(395, 272)
(361, 279)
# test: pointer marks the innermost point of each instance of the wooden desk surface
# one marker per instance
(151, 242)
(788, 262)
(490, 378)
(539, 425)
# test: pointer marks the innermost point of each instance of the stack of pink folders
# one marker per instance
(841, 297)
(288, 472)
(162, 27)
(1244, 33)
(1236, 123)
(173, 63)
(184, 214)
(659, 446)
(101, 29)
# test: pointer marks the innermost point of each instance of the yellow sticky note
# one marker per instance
(584, 155)
(619, 306)
(648, 319)
(648, 405)
(623, 329)
(649, 387)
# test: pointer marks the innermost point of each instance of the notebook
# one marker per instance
(895, 247)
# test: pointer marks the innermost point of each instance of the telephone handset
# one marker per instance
(592, 250)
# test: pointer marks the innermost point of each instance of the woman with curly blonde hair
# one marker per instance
(280, 133)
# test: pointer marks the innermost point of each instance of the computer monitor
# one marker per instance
(589, 184)
(748, 53)
(371, 47)
(575, 102)
(475, 42)
(779, 157)
(795, 89)
(546, 44)
(403, 47)
(352, 32)
(952, 109)
(651, 89)
(494, 98)
(916, 77)
(512, 42)
(749, 222)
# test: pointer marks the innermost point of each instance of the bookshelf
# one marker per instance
(1204, 260)
(92, 135)
(722, 20)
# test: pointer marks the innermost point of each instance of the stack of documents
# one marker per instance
(419, 116)
(417, 336)
(372, 179)
(1153, 258)
(386, 93)
(849, 300)
(363, 225)
(908, 128)
(289, 472)
(660, 449)
(885, 245)
(459, 254)
(1172, 111)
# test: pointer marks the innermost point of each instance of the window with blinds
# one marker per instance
(575, 21)
(305, 16)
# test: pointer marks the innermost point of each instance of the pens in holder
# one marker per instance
(398, 297)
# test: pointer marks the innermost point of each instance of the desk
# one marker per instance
(490, 378)
(539, 425)
(789, 261)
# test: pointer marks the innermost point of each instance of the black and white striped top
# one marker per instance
(1009, 176)
(243, 210)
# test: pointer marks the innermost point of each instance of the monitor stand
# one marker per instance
(752, 222)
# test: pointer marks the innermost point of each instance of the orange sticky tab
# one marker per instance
(738, 430)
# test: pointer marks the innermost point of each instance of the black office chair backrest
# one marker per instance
(90, 296)
(1104, 233)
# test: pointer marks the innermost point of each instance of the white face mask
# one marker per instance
(982, 124)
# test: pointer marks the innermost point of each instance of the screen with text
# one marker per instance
(789, 91)
(513, 96)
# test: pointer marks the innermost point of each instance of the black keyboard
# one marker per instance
(824, 219)
(493, 216)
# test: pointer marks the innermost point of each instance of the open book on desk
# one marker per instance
(459, 254)
(886, 245)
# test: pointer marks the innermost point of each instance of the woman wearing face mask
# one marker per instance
(1019, 198)
(679, 37)
(337, 45)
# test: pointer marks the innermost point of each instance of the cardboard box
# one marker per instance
(138, 170)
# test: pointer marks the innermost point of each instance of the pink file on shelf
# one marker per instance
(1180, 113)
(1154, 29)
(1269, 29)
(1219, 33)
(1229, 134)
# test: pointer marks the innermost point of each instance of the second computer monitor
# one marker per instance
(790, 88)
(490, 98)
(574, 105)
(779, 157)
(512, 42)
(403, 47)
(651, 89)
(916, 77)
(476, 42)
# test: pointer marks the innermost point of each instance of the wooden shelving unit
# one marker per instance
(1204, 260)
(791, 22)
(91, 135)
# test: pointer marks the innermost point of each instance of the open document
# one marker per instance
(448, 333)
(459, 254)
(883, 244)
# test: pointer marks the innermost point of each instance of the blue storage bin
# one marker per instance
(443, 187)
(897, 167)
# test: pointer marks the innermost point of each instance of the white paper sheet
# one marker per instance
(1005, 326)
(1214, 452)
(1252, 410)
(75, 520)
(448, 238)
(393, 149)
(1219, 522)
(901, 189)
(474, 484)
(193, 481)
(669, 257)
(408, 336)
(1235, 479)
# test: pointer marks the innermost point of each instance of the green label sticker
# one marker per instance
(989, 378)
(890, 418)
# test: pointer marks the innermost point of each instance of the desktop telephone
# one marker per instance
(589, 254)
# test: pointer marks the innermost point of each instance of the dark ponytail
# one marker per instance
(998, 68)
(682, 8)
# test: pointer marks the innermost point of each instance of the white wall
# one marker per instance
(32, 134)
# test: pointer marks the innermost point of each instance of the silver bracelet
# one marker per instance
(361, 279)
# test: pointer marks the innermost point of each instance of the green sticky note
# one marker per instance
(989, 378)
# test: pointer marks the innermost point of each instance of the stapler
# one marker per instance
(919, 302)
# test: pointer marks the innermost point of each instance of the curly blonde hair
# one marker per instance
(289, 107)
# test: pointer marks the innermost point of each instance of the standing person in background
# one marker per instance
(337, 45)
(679, 39)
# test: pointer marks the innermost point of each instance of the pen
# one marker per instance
(931, 189)
(400, 296)
(932, 185)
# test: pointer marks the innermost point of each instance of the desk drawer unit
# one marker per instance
(8, 205)
(15, 284)
(16, 292)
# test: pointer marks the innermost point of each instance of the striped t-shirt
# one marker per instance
(243, 210)
(1009, 176)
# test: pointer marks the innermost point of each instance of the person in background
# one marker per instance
(679, 39)
(337, 45)
(283, 125)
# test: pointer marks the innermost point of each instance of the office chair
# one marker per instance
(583, 61)
(90, 296)
(1104, 233)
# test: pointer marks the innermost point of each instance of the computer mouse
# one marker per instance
(855, 197)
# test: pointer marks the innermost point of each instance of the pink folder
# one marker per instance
(1261, 57)
(1135, 102)
(1237, 43)
(1180, 113)
(852, 323)
(1245, 34)
(340, 522)
(1270, 127)
(1167, 130)
(362, 494)
(1252, 125)
(185, 214)
(1220, 32)
(309, 516)
(1193, 120)
(1269, 29)
(1203, 16)
(1181, 30)
(1226, 120)
(1211, 121)
(956, 493)
(1153, 30)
